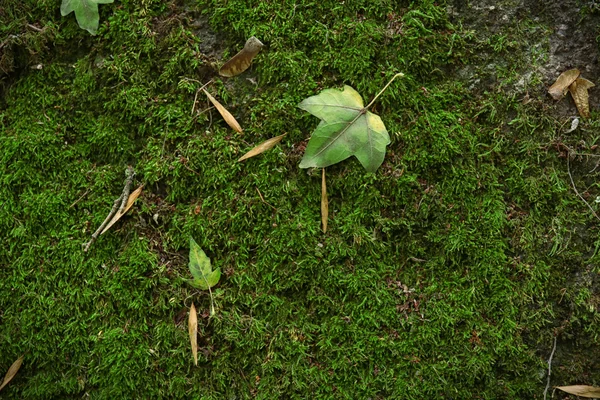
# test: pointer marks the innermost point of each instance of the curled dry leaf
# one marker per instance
(12, 371)
(574, 125)
(560, 87)
(324, 203)
(242, 60)
(130, 200)
(581, 390)
(579, 91)
(261, 148)
(224, 113)
(193, 331)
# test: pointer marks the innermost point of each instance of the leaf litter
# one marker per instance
(130, 200)
(579, 91)
(261, 148)
(12, 371)
(572, 82)
(193, 331)
(229, 119)
(324, 203)
(564, 80)
(581, 390)
(242, 60)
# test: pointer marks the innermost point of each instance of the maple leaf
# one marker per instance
(346, 129)
(204, 276)
(86, 12)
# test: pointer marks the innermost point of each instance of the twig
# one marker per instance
(129, 174)
(118, 206)
(550, 368)
(575, 188)
(263, 199)
(35, 28)
(79, 199)
(196, 96)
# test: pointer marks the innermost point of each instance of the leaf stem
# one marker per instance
(400, 74)
(212, 301)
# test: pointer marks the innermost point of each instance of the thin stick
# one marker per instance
(111, 214)
(263, 199)
(212, 302)
(118, 206)
(129, 174)
(385, 87)
(550, 368)
(79, 199)
(196, 96)
(577, 192)
(35, 28)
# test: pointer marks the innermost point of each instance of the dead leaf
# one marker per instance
(193, 331)
(242, 60)
(574, 125)
(261, 148)
(12, 371)
(560, 87)
(224, 113)
(324, 203)
(130, 200)
(579, 91)
(581, 390)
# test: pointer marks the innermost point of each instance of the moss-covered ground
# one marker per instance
(446, 274)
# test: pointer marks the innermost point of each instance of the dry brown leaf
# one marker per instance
(130, 200)
(579, 91)
(324, 203)
(560, 87)
(242, 60)
(193, 331)
(261, 148)
(12, 371)
(581, 390)
(224, 113)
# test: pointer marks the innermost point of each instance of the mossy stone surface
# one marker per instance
(446, 274)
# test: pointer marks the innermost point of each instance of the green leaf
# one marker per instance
(347, 129)
(204, 276)
(86, 12)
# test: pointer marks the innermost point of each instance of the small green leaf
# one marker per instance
(346, 129)
(200, 268)
(86, 12)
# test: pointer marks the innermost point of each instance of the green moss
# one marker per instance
(446, 273)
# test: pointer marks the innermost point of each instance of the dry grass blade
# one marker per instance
(224, 113)
(242, 60)
(130, 200)
(579, 91)
(261, 148)
(581, 390)
(193, 331)
(560, 87)
(324, 203)
(12, 371)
